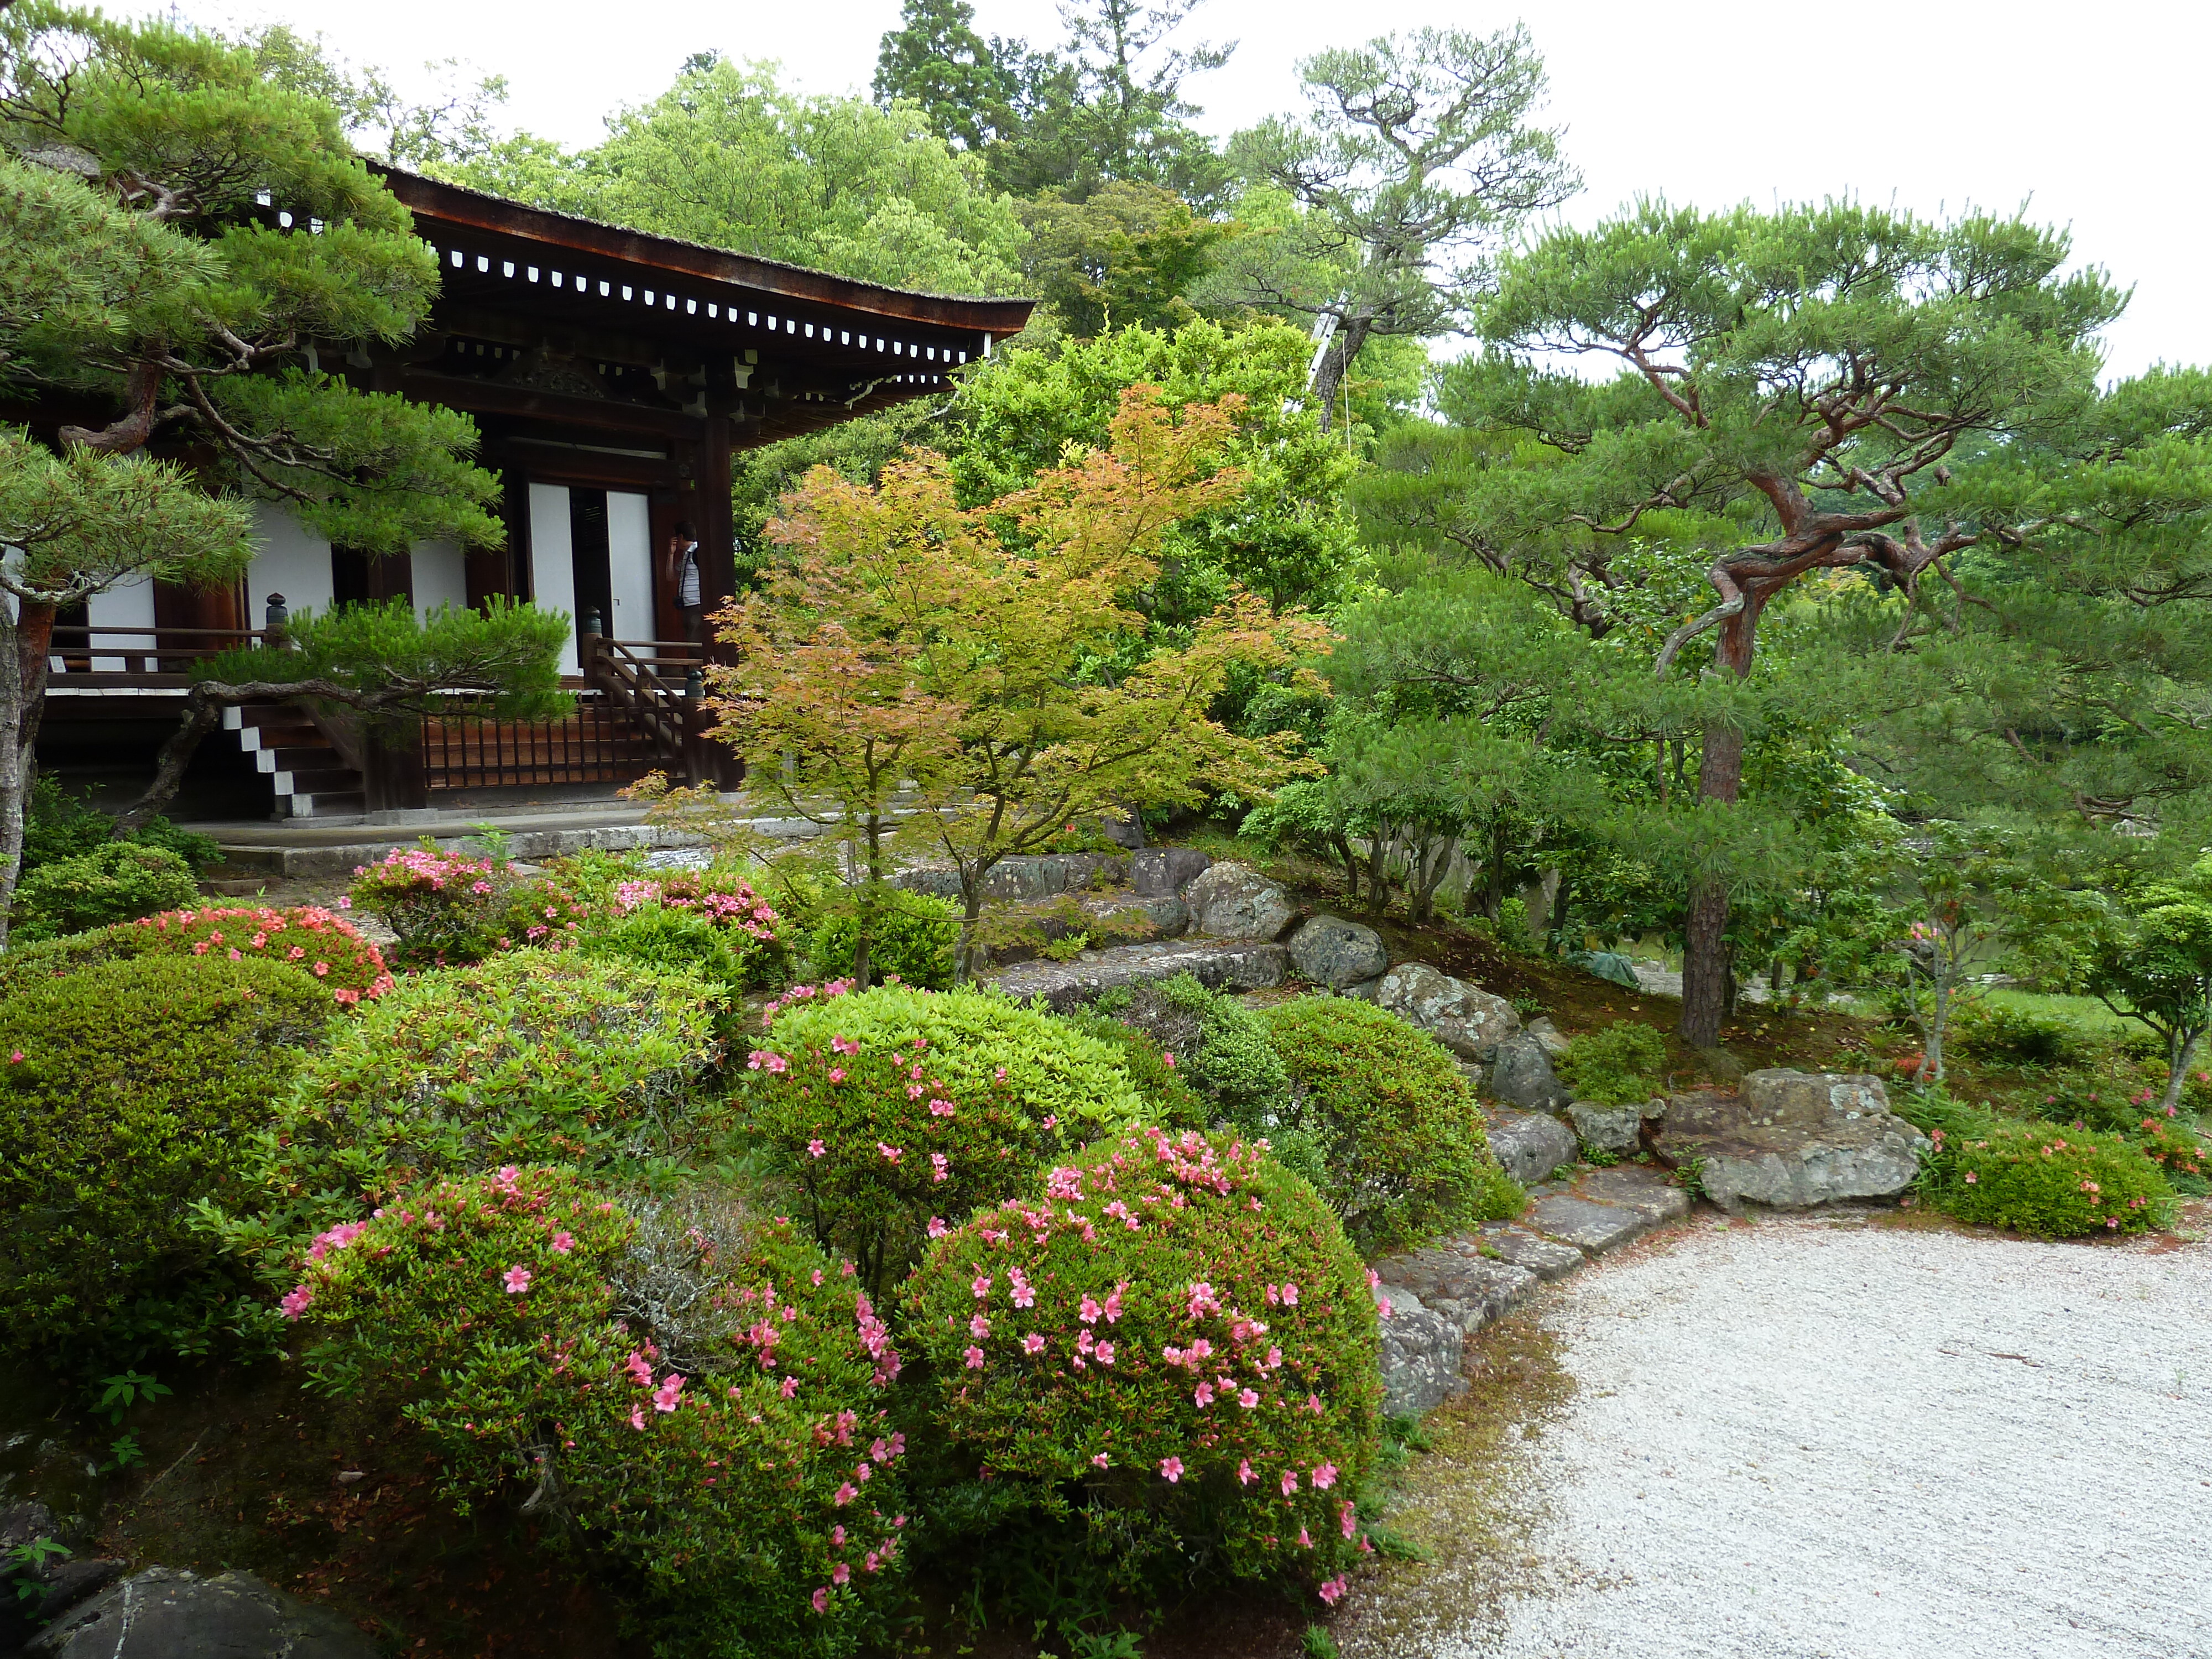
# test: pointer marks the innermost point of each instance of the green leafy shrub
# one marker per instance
(307, 938)
(117, 882)
(1163, 1369)
(127, 1091)
(57, 826)
(697, 1394)
(2001, 1032)
(892, 1109)
(672, 942)
(1396, 1137)
(1158, 1077)
(529, 1057)
(1618, 1065)
(2047, 1182)
(915, 937)
(1221, 1047)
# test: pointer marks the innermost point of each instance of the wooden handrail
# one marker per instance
(167, 650)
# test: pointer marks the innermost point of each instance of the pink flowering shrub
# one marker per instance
(895, 1108)
(304, 937)
(440, 904)
(529, 1057)
(1171, 1342)
(2047, 1181)
(694, 1393)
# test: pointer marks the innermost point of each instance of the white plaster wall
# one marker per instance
(128, 605)
(552, 561)
(294, 561)
(630, 565)
(440, 576)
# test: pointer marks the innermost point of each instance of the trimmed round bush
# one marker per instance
(305, 939)
(916, 938)
(1172, 1347)
(442, 905)
(699, 1394)
(894, 1108)
(529, 1057)
(128, 1091)
(1623, 1064)
(118, 882)
(1393, 1136)
(675, 942)
(2048, 1182)
(1221, 1047)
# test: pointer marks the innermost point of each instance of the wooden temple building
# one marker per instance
(612, 375)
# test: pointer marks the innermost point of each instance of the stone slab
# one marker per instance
(1638, 1187)
(1530, 1145)
(1541, 1256)
(1592, 1227)
(1421, 1353)
(1455, 1279)
(164, 1613)
(1231, 965)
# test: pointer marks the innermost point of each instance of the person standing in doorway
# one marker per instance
(682, 575)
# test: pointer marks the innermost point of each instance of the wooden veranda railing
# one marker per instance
(92, 654)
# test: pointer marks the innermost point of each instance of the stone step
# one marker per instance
(1604, 1209)
(1221, 964)
(1544, 1257)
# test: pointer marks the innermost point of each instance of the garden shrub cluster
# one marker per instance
(305, 939)
(895, 1109)
(1222, 1048)
(128, 1090)
(1158, 1076)
(1997, 1031)
(117, 881)
(2045, 1182)
(915, 940)
(1393, 1136)
(57, 826)
(527, 1058)
(450, 909)
(1619, 1065)
(698, 1394)
(1170, 1349)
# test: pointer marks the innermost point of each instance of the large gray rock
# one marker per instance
(1421, 1354)
(1331, 951)
(1466, 1018)
(1554, 1041)
(1546, 1258)
(1023, 879)
(1530, 1145)
(164, 1613)
(1522, 1075)
(1222, 965)
(1608, 1129)
(1791, 1140)
(1235, 900)
(1166, 870)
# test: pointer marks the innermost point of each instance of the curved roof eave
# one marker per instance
(475, 209)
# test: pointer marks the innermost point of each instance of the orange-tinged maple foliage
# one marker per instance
(904, 639)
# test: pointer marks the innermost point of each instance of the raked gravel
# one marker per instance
(1826, 1439)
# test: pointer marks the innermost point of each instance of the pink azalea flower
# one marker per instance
(640, 1369)
(1103, 1354)
(1290, 1481)
(637, 1417)
(666, 1397)
(979, 1327)
(814, 1149)
(846, 1494)
(1305, 1538)
(1100, 1461)
(822, 1599)
(937, 1227)
(1333, 1591)
(295, 1300)
(981, 1287)
(974, 1360)
(840, 1573)
(1033, 1343)
(517, 1279)
(836, 1074)
(1204, 1394)
(892, 1154)
(1249, 1399)
(564, 1243)
(1171, 1469)
(1244, 1475)
(1089, 1312)
(1324, 1476)
(1347, 1518)
(790, 1387)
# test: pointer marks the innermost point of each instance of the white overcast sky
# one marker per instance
(2090, 112)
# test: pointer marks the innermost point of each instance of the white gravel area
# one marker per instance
(1825, 1438)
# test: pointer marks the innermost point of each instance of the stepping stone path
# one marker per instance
(1438, 1297)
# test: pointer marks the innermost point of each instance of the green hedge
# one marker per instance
(118, 882)
(128, 1091)
(1392, 1133)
